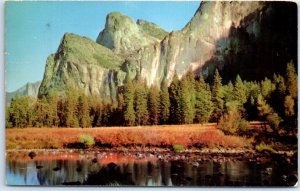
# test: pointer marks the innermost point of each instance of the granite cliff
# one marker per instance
(29, 89)
(235, 37)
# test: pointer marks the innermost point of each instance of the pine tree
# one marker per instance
(217, 97)
(120, 108)
(228, 92)
(129, 113)
(42, 113)
(164, 104)
(71, 109)
(106, 112)
(153, 105)
(83, 112)
(267, 87)
(203, 105)
(291, 80)
(277, 97)
(240, 91)
(62, 111)
(187, 100)
(8, 117)
(250, 106)
(95, 111)
(280, 86)
(266, 112)
(140, 103)
(289, 105)
(21, 112)
(121, 101)
(175, 106)
(53, 107)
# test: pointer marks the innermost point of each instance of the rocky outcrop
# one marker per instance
(152, 29)
(122, 35)
(84, 65)
(236, 37)
(30, 89)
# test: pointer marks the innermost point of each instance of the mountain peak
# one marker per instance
(29, 89)
(152, 29)
(122, 35)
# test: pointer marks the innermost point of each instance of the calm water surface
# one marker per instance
(54, 168)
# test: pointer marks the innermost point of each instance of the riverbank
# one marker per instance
(195, 138)
(191, 156)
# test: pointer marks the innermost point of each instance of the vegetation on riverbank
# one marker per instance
(198, 136)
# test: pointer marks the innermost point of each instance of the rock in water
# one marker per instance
(56, 168)
(195, 164)
(32, 154)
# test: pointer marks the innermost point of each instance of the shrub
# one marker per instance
(274, 120)
(232, 123)
(178, 148)
(88, 140)
(264, 147)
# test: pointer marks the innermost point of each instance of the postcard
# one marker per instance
(173, 93)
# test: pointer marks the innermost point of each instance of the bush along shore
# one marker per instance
(195, 138)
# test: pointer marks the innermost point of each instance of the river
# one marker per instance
(110, 168)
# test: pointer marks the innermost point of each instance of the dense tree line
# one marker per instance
(185, 101)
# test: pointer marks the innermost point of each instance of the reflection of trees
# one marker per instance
(177, 173)
(67, 171)
(166, 174)
(17, 167)
(143, 173)
(110, 174)
(137, 173)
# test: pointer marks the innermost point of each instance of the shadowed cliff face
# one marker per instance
(263, 44)
(235, 37)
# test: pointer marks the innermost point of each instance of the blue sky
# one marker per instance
(33, 30)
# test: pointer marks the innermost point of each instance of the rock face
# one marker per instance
(122, 35)
(82, 64)
(152, 29)
(30, 89)
(235, 37)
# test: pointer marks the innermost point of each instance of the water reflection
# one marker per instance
(113, 170)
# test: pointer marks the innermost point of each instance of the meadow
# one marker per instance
(165, 136)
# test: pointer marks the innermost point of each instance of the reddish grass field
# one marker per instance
(196, 135)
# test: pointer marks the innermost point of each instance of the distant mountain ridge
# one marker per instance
(29, 89)
(236, 37)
